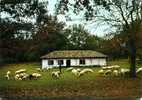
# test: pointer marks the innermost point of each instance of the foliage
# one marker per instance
(48, 37)
(27, 31)
(16, 26)
(125, 16)
(76, 37)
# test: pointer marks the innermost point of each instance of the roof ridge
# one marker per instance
(73, 54)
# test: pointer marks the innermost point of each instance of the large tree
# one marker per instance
(76, 37)
(48, 37)
(17, 21)
(123, 16)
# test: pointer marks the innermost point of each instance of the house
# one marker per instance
(73, 58)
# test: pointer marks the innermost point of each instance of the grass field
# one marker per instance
(68, 84)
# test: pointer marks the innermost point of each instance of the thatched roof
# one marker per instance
(74, 54)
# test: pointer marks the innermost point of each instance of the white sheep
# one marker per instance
(20, 71)
(139, 70)
(39, 69)
(116, 66)
(78, 69)
(8, 72)
(101, 72)
(69, 69)
(26, 76)
(108, 72)
(17, 76)
(107, 67)
(7, 76)
(115, 72)
(36, 75)
(56, 74)
(123, 71)
(111, 67)
(75, 72)
(86, 70)
(21, 76)
(104, 68)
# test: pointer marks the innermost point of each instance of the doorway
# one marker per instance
(68, 63)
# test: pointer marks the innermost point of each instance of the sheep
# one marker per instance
(75, 72)
(36, 75)
(139, 70)
(104, 68)
(116, 66)
(86, 70)
(20, 71)
(21, 76)
(101, 72)
(55, 74)
(7, 76)
(124, 71)
(8, 72)
(39, 69)
(69, 69)
(78, 69)
(108, 72)
(26, 76)
(107, 67)
(111, 67)
(17, 76)
(115, 72)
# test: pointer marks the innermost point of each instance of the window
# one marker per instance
(50, 62)
(82, 61)
(60, 62)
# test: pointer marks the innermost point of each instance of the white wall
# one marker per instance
(75, 62)
(44, 63)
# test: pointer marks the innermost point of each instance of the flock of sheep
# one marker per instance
(22, 75)
(76, 71)
(114, 70)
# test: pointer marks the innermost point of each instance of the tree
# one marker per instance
(94, 42)
(16, 26)
(76, 37)
(123, 15)
(49, 37)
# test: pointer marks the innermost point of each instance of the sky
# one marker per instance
(93, 28)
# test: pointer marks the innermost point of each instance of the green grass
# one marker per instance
(68, 84)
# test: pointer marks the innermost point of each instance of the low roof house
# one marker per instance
(73, 58)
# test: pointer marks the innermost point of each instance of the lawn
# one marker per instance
(69, 85)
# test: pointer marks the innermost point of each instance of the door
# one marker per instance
(68, 63)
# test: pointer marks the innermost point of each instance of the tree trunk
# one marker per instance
(132, 58)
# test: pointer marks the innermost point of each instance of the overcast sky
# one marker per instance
(93, 28)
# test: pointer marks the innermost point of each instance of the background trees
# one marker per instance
(76, 37)
(48, 37)
(125, 16)
(27, 31)
(16, 27)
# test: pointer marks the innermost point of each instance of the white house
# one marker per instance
(73, 58)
